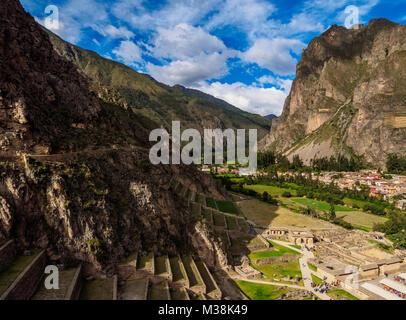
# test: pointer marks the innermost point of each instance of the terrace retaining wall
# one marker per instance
(7, 254)
(26, 283)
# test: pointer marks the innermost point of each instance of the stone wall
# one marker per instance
(284, 259)
(75, 287)
(7, 254)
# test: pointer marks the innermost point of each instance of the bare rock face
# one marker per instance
(349, 96)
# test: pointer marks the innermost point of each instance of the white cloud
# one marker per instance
(184, 41)
(251, 16)
(250, 98)
(129, 53)
(284, 84)
(114, 32)
(274, 54)
(192, 70)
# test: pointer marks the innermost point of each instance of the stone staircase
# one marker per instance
(140, 277)
(22, 277)
(177, 278)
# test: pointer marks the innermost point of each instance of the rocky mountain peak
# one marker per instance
(348, 96)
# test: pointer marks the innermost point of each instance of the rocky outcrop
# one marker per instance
(75, 175)
(348, 96)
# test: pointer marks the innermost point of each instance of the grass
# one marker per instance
(231, 223)
(312, 267)
(207, 215)
(200, 199)
(134, 289)
(179, 294)
(176, 269)
(196, 209)
(273, 191)
(264, 215)
(8, 276)
(191, 271)
(219, 220)
(210, 286)
(319, 205)
(227, 206)
(317, 280)
(158, 291)
(338, 294)
(145, 262)
(65, 279)
(101, 289)
(277, 251)
(361, 219)
(280, 271)
(257, 291)
(210, 203)
(160, 265)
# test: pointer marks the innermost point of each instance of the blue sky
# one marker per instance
(243, 51)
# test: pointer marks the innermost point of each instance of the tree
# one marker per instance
(332, 211)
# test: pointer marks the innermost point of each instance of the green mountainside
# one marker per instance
(159, 102)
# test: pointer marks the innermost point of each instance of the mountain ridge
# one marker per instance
(348, 96)
(157, 101)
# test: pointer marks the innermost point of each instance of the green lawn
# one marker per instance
(210, 203)
(256, 291)
(338, 294)
(273, 191)
(280, 271)
(312, 267)
(317, 280)
(276, 251)
(227, 206)
(319, 205)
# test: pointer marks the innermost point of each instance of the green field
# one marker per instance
(280, 270)
(276, 251)
(210, 203)
(231, 223)
(312, 267)
(317, 280)
(358, 218)
(319, 205)
(273, 191)
(227, 206)
(256, 291)
(219, 220)
(264, 215)
(200, 199)
(338, 294)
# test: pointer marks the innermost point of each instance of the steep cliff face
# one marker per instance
(75, 175)
(349, 96)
